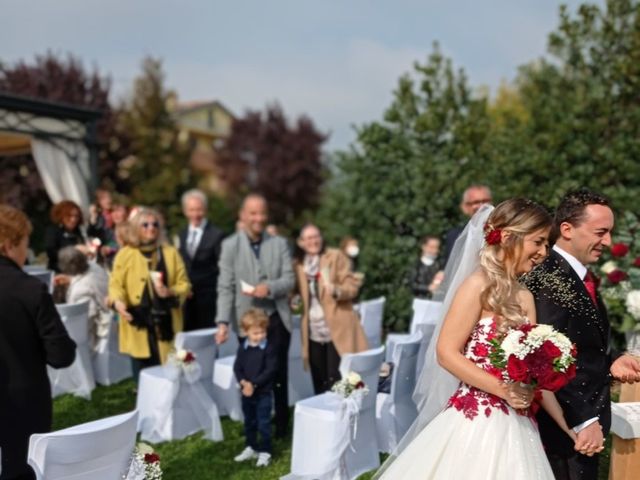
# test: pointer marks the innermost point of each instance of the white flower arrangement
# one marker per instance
(145, 464)
(184, 361)
(351, 383)
(633, 303)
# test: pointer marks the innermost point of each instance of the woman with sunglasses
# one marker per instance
(147, 287)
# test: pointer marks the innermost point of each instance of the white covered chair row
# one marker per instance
(105, 366)
(98, 450)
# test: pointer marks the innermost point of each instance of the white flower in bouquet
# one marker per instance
(354, 378)
(609, 267)
(633, 303)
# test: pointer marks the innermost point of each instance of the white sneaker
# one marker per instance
(247, 454)
(263, 459)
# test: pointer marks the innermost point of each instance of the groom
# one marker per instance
(566, 297)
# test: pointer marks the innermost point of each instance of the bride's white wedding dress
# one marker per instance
(477, 435)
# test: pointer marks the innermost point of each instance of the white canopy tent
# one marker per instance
(62, 140)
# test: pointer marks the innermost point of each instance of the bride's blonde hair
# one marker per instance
(499, 257)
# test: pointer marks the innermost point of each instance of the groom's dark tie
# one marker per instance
(590, 285)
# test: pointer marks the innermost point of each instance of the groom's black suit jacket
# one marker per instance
(562, 300)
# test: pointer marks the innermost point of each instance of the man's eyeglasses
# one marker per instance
(478, 202)
(150, 224)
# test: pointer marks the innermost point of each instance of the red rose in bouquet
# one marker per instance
(535, 354)
(619, 249)
(616, 276)
(636, 262)
(517, 369)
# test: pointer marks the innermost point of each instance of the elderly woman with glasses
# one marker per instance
(147, 287)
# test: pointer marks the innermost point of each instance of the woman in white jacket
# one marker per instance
(87, 281)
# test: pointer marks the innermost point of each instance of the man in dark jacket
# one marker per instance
(32, 336)
(566, 297)
(423, 275)
(200, 245)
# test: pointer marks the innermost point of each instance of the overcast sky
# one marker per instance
(336, 60)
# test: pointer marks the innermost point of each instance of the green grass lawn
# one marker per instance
(193, 458)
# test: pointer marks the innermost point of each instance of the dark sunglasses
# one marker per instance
(149, 225)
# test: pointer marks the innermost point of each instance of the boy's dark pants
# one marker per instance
(257, 418)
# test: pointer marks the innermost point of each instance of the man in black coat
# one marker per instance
(200, 245)
(472, 199)
(566, 297)
(32, 336)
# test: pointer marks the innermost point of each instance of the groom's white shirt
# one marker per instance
(581, 270)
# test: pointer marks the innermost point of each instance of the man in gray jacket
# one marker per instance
(255, 271)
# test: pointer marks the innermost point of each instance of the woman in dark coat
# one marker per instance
(65, 231)
(31, 336)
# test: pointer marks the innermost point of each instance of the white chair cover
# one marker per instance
(228, 348)
(109, 365)
(99, 450)
(424, 311)
(371, 315)
(396, 411)
(42, 274)
(427, 330)
(77, 378)
(173, 402)
(202, 343)
(319, 450)
(300, 383)
(226, 391)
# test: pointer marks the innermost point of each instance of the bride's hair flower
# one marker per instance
(492, 235)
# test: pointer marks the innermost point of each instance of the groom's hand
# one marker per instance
(626, 369)
(590, 440)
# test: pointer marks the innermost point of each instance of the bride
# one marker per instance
(476, 425)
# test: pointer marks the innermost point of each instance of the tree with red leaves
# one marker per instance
(284, 163)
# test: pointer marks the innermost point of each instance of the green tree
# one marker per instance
(158, 166)
(404, 176)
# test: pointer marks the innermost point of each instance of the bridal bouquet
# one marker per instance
(537, 355)
(145, 464)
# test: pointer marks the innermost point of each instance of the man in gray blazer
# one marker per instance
(255, 271)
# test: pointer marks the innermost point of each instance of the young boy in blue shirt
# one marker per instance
(255, 368)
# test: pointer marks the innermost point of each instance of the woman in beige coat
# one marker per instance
(330, 328)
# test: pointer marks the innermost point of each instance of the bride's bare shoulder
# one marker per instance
(476, 281)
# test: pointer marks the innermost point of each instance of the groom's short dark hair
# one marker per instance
(572, 208)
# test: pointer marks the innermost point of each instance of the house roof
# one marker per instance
(185, 107)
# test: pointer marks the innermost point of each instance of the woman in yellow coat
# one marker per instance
(329, 327)
(147, 287)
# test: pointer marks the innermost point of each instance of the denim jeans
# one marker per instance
(257, 419)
